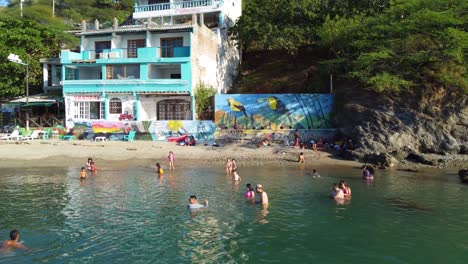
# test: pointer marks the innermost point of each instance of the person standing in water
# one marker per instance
(159, 170)
(228, 167)
(83, 173)
(301, 157)
(13, 242)
(171, 159)
(193, 203)
(263, 195)
(234, 170)
(249, 193)
(88, 164)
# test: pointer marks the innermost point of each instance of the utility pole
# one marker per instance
(53, 8)
(21, 7)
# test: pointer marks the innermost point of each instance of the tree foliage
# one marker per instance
(30, 41)
(385, 45)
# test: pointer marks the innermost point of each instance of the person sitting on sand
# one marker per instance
(301, 157)
(13, 242)
(315, 174)
(346, 189)
(249, 193)
(83, 173)
(336, 192)
(264, 143)
(263, 194)
(193, 203)
(159, 169)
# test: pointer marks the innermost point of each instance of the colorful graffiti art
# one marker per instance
(170, 131)
(273, 111)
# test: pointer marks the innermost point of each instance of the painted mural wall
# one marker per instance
(273, 111)
(170, 131)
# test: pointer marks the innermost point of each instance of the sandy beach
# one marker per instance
(54, 152)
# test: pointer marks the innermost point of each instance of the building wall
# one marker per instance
(148, 105)
(128, 105)
(155, 39)
(204, 52)
(87, 43)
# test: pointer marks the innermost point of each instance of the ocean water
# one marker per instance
(128, 214)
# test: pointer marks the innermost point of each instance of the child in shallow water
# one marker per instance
(83, 173)
(171, 159)
(159, 169)
(249, 194)
(301, 157)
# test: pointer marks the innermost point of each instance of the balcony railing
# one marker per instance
(118, 54)
(125, 85)
(180, 5)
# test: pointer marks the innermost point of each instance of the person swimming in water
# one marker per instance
(315, 174)
(249, 193)
(193, 203)
(13, 242)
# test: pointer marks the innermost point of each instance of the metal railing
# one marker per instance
(177, 5)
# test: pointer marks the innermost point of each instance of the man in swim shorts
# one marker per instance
(263, 194)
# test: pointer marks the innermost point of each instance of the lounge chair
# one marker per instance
(34, 135)
(13, 135)
(130, 136)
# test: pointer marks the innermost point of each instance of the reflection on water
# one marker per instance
(129, 213)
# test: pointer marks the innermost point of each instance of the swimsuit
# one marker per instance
(249, 194)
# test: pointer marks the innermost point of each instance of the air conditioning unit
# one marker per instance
(114, 55)
(104, 55)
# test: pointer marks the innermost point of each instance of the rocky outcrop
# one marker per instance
(420, 128)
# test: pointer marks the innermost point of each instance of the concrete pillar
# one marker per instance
(194, 112)
(45, 75)
(137, 107)
(202, 20)
(96, 24)
(106, 106)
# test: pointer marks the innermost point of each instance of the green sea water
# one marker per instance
(127, 214)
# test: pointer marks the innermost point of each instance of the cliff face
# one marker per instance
(424, 127)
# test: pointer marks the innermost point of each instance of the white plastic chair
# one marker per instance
(34, 135)
(12, 135)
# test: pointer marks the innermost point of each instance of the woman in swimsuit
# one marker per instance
(346, 190)
(228, 167)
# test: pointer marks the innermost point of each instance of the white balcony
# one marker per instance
(177, 8)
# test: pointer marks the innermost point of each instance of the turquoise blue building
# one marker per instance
(149, 67)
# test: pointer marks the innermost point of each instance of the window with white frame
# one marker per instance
(115, 106)
(89, 110)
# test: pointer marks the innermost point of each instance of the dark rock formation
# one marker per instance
(463, 175)
(389, 128)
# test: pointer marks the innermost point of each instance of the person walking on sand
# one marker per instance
(13, 242)
(263, 195)
(171, 159)
(234, 170)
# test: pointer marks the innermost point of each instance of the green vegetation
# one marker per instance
(384, 46)
(203, 98)
(30, 41)
(39, 34)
